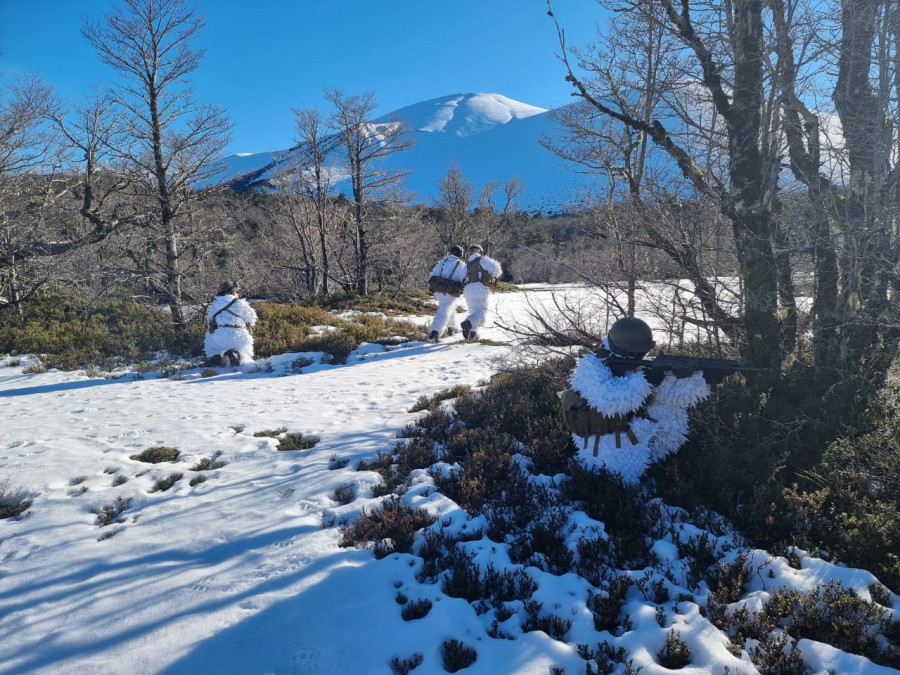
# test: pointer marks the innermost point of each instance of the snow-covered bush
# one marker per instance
(457, 655)
(13, 500)
(388, 529)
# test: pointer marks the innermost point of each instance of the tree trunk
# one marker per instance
(751, 215)
(863, 125)
(172, 272)
(323, 245)
(362, 246)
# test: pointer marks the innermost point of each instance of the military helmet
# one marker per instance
(630, 336)
(229, 288)
(457, 251)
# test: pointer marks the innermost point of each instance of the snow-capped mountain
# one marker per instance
(490, 138)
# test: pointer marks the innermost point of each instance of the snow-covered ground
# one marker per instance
(242, 573)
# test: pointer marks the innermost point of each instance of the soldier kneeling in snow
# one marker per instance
(229, 321)
(625, 418)
(482, 274)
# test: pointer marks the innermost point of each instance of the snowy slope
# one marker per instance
(464, 114)
(242, 573)
(489, 136)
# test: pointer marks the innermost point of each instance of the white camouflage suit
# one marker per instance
(661, 432)
(452, 268)
(478, 294)
(233, 327)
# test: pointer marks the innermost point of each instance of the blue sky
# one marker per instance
(266, 56)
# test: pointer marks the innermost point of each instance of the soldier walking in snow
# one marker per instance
(229, 321)
(446, 282)
(482, 275)
(625, 417)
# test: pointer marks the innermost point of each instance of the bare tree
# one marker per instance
(37, 223)
(166, 140)
(367, 144)
(853, 229)
(24, 147)
(492, 221)
(453, 204)
(316, 176)
(765, 70)
(639, 70)
(746, 197)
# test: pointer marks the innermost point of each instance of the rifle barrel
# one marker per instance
(665, 361)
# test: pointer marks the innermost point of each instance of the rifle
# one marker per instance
(682, 366)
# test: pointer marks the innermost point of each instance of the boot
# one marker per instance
(451, 331)
(433, 336)
(466, 329)
(214, 361)
(472, 336)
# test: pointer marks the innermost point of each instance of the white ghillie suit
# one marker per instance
(479, 270)
(454, 269)
(233, 327)
(659, 423)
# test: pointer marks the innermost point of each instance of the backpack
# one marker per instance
(438, 284)
(477, 274)
(583, 420)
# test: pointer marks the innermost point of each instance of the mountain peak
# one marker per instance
(490, 137)
(464, 114)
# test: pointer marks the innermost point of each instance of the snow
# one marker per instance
(490, 137)
(464, 114)
(243, 573)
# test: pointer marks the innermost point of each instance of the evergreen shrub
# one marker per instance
(416, 609)
(296, 441)
(675, 653)
(290, 328)
(798, 468)
(430, 403)
(345, 493)
(157, 454)
(281, 328)
(831, 614)
(13, 501)
(166, 483)
(335, 462)
(523, 404)
(404, 666)
(110, 513)
(390, 528)
(410, 302)
(457, 655)
(849, 503)
(71, 332)
(604, 659)
(209, 463)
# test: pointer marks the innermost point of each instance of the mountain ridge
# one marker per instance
(488, 136)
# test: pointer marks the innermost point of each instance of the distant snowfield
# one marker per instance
(237, 574)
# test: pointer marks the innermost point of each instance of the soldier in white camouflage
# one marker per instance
(446, 283)
(230, 319)
(482, 275)
(625, 418)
